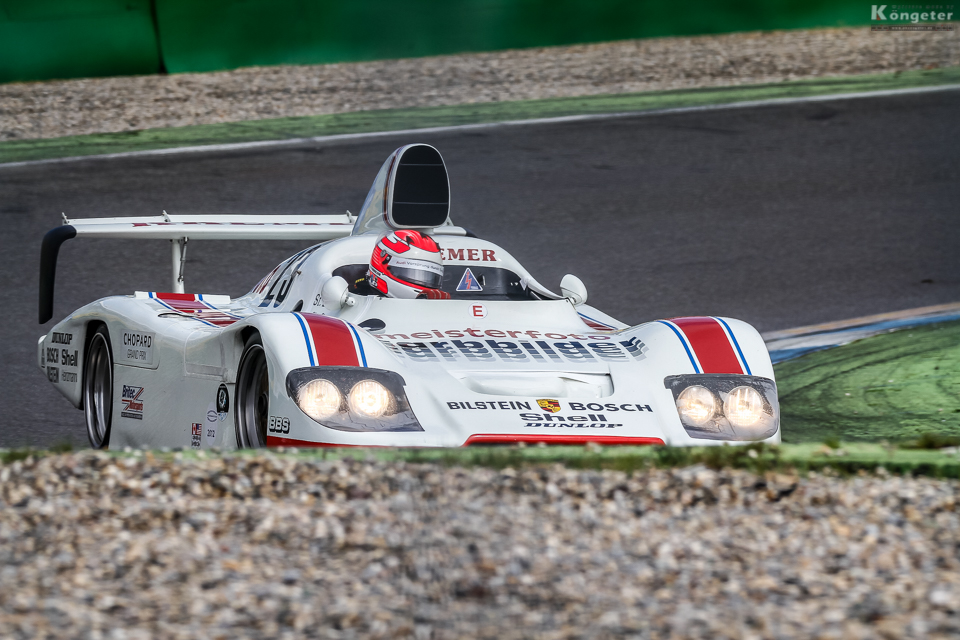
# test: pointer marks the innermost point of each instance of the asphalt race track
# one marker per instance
(779, 215)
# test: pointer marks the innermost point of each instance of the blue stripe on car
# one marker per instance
(583, 315)
(363, 356)
(696, 369)
(306, 338)
(735, 344)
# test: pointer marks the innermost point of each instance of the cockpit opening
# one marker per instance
(462, 282)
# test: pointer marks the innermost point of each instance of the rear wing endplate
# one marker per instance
(179, 229)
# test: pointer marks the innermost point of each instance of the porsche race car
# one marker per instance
(313, 357)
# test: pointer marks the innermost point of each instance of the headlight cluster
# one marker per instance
(726, 407)
(352, 399)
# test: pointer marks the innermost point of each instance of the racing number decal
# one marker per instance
(278, 425)
(284, 282)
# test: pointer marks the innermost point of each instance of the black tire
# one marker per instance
(98, 388)
(253, 395)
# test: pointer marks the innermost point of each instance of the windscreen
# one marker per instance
(482, 283)
(371, 213)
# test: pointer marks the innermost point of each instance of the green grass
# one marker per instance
(419, 118)
(849, 458)
(898, 387)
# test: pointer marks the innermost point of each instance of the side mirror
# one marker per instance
(334, 294)
(573, 290)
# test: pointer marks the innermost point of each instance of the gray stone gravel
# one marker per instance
(71, 107)
(272, 546)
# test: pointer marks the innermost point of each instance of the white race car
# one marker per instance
(312, 357)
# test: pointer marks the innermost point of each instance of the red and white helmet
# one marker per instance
(407, 264)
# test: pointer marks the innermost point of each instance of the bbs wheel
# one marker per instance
(98, 388)
(253, 395)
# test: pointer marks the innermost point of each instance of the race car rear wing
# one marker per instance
(179, 230)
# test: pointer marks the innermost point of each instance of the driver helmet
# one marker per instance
(407, 264)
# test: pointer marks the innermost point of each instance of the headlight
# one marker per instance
(352, 398)
(370, 398)
(743, 407)
(320, 399)
(726, 407)
(696, 405)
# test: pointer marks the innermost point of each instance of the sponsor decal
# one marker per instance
(210, 428)
(589, 421)
(223, 402)
(196, 434)
(469, 282)
(610, 406)
(478, 311)
(68, 376)
(68, 358)
(137, 348)
(277, 424)
(409, 263)
(53, 374)
(552, 406)
(52, 354)
(592, 419)
(493, 333)
(132, 403)
(61, 338)
(488, 405)
(589, 349)
(469, 255)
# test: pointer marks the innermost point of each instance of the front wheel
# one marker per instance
(253, 395)
(98, 388)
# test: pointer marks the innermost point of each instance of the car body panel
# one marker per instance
(505, 359)
(468, 372)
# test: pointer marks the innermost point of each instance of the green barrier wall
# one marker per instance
(43, 39)
(224, 34)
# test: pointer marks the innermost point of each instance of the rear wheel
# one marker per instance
(98, 388)
(253, 396)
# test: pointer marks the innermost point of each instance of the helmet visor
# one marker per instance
(421, 273)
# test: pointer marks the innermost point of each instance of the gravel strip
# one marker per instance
(270, 546)
(71, 107)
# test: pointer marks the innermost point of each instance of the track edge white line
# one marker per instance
(243, 146)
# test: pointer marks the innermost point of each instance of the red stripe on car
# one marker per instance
(492, 438)
(186, 302)
(277, 441)
(711, 344)
(218, 319)
(333, 341)
(190, 303)
(593, 324)
(184, 297)
(506, 438)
